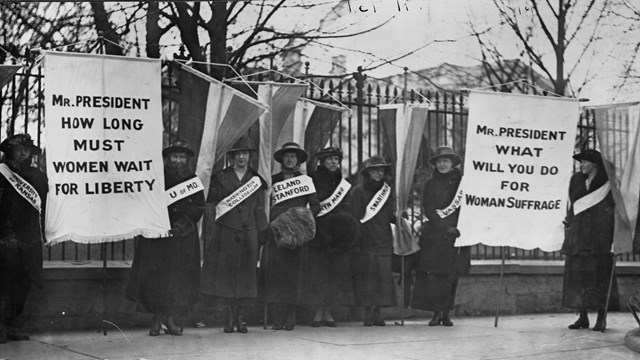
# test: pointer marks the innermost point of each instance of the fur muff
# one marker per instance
(343, 231)
(293, 228)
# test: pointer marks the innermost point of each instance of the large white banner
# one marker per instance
(517, 169)
(103, 148)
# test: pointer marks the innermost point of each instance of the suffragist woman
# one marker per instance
(328, 280)
(373, 205)
(21, 212)
(165, 274)
(229, 269)
(588, 240)
(440, 263)
(293, 225)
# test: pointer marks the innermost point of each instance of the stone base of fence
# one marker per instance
(72, 298)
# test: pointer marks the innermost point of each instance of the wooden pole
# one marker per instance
(606, 306)
(401, 287)
(263, 264)
(104, 288)
(495, 323)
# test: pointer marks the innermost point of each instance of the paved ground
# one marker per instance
(543, 336)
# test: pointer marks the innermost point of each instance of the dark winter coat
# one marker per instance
(229, 268)
(375, 236)
(327, 279)
(284, 267)
(438, 255)
(21, 262)
(165, 274)
(591, 231)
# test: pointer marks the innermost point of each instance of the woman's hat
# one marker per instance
(445, 151)
(374, 161)
(14, 141)
(178, 146)
(292, 148)
(329, 151)
(241, 145)
(590, 155)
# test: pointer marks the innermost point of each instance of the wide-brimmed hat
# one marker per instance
(242, 144)
(178, 146)
(445, 151)
(329, 151)
(14, 141)
(590, 155)
(292, 148)
(374, 161)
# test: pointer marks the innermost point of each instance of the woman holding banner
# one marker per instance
(165, 274)
(22, 196)
(373, 204)
(294, 204)
(587, 245)
(328, 280)
(440, 263)
(229, 268)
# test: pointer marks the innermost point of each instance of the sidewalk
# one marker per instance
(540, 336)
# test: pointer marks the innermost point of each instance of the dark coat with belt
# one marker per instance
(284, 267)
(438, 254)
(20, 263)
(165, 274)
(591, 231)
(229, 268)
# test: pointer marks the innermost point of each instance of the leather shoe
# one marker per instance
(446, 321)
(581, 323)
(316, 324)
(435, 320)
(14, 335)
(368, 321)
(328, 323)
(155, 327)
(242, 328)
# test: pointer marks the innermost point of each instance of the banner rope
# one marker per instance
(523, 81)
(294, 78)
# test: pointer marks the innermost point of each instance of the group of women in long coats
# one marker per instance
(341, 254)
(20, 234)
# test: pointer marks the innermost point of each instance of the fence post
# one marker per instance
(360, 103)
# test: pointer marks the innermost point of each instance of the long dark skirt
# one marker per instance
(282, 274)
(586, 281)
(165, 274)
(373, 282)
(15, 285)
(327, 280)
(434, 292)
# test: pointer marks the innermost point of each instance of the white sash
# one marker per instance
(292, 188)
(238, 196)
(376, 203)
(455, 203)
(23, 188)
(332, 201)
(184, 189)
(591, 198)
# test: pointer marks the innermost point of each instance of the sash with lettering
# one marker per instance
(376, 203)
(238, 196)
(455, 204)
(184, 189)
(591, 199)
(23, 188)
(332, 201)
(292, 188)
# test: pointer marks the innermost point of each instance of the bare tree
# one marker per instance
(557, 39)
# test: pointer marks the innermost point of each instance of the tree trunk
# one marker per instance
(106, 29)
(217, 29)
(154, 32)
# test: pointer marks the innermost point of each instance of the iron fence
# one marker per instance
(359, 135)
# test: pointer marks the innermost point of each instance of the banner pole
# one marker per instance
(402, 290)
(606, 306)
(502, 250)
(264, 264)
(104, 288)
